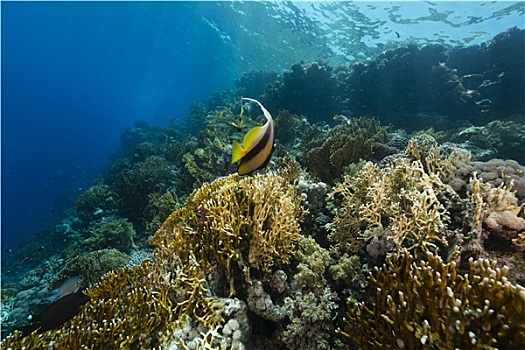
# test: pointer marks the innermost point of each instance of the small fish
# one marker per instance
(32, 254)
(56, 314)
(257, 146)
(236, 136)
(240, 124)
(340, 118)
(69, 286)
(397, 34)
(222, 124)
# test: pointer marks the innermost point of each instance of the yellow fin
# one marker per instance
(237, 152)
(250, 137)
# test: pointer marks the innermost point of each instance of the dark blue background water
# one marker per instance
(74, 75)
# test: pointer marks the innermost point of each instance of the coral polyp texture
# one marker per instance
(429, 305)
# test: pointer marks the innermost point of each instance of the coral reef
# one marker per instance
(505, 138)
(237, 222)
(207, 162)
(160, 206)
(117, 315)
(353, 140)
(428, 304)
(135, 142)
(498, 69)
(96, 202)
(134, 185)
(309, 90)
(252, 84)
(311, 306)
(270, 260)
(110, 232)
(289, 128)
(409, 86)
(93, 265)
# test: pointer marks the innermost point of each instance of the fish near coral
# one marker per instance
(257, 146)
(69, 286)
(56, 314)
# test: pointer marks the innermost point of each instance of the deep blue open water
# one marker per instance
(76, 74)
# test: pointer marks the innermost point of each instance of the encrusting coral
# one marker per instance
(428, 305)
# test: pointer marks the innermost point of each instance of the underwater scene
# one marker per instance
(263, 175)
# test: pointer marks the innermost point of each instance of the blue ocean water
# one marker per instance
(76, 74)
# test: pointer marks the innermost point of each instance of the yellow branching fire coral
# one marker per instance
(128, 309)
(243, 223)
(497, 209)
(251, 222)
(427, 305)
(400, 200)
(432, 160)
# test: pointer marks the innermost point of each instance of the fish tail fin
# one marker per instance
(237, 152)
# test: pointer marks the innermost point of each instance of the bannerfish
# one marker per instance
(69, 286)
(56, 314)
(257, 145)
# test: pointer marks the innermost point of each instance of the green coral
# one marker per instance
(428, 305)
(289, 127)
(160, 206)
(312, 305)
(311, 325)
(209, 161)
(143, 151)
(96, 199)
(94, 265)
(110, 233)
(353, 140)
(134, 185)
(349, 270)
